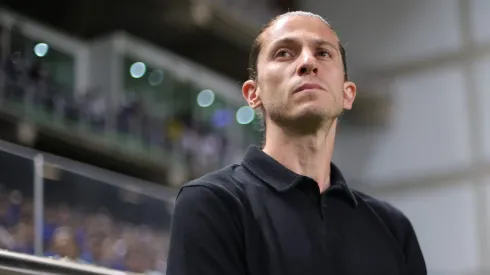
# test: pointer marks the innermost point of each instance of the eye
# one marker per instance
(325, 53)
(282, 53)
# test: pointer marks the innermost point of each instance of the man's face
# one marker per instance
(300, 73)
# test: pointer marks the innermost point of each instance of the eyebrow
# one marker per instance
(317, 41)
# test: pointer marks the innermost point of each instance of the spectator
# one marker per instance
(24, 237)
(64, 245)
(93, 252)
(138, 259)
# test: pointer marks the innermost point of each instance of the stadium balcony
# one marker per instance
(119, 102)
(223, 30)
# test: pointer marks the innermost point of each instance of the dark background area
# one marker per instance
(167, 24)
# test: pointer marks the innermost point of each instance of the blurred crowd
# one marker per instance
(30, 85)
(93, 238)
(84, 220)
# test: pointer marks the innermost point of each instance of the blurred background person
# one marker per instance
(64, 245)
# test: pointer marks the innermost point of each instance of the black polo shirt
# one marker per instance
(260, 218)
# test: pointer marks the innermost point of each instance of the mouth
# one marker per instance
(308, 86)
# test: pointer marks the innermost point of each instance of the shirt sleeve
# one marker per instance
(403, 231)
(414, 258)
(205, 235)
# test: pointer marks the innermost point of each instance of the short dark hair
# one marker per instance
(257, 45)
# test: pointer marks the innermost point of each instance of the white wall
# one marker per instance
(433, 159)
(482, 70)
(427, 106)
(480, 20)
(443, 217)
(382, 32)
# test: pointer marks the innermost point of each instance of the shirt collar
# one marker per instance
(280, 178)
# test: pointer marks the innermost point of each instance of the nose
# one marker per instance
(308, 64)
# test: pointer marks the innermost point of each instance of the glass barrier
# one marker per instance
(159, 110)
(85, 214)
(90, 221)
(16, 202)
(35, 70)
(38, 82)
(43, 61)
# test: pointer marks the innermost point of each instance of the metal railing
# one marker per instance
(19, 264)
(51, 206)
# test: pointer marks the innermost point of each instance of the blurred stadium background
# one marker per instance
(106, 107)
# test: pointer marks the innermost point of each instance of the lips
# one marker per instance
(308, 86)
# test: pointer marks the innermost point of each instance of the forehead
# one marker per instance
(299, 27)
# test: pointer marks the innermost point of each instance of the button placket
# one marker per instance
(323, 205)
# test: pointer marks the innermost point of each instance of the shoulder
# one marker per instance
(212, 201)
(400, 228)
(217, 185)
(379, 206)
(393, 218)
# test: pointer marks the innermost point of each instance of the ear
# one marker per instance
(250, 91)
(350, 90)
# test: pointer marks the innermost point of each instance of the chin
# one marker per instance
(320, 114)
(308, 116)
(312, 111)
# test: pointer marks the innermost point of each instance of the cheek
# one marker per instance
(272, 79)
(335, 82)
(271, 86)
(277, 72)
(334, 74)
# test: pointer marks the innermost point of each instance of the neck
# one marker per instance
(308, 155)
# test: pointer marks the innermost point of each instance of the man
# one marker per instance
(287, 209)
